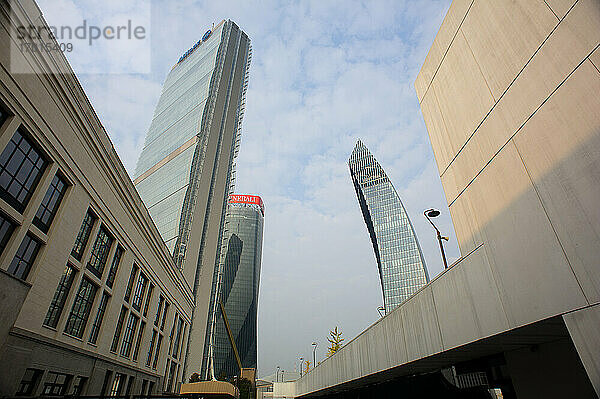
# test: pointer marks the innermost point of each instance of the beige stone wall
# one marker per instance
(56, 113)
(509, 94)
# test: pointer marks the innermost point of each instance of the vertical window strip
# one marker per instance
(83, 236)
(50, 204)
(6, 229)
(138, 341)
(25, 256)
(151, 349)
(114, 266)
(60, 297)
(129, 334)
(177, 338)
(157, 352)
(118, 329)
(99, 317)
(81, 308)
(148, 299)
(132, 276)
(164, 316)
(161, 302)
(139, 292)
(100, 252)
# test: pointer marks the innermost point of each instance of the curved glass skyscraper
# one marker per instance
(240, 277)
(401, 265)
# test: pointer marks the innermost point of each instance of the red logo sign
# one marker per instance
(247, 199)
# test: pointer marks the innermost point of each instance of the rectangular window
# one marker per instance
(177, 338)
(140, 290)
(81, 308)
(161, 302)
(128, 335)
(132, 276)
(78, 385)
(151, 350)
(138, 341)
(60, 297)
(148, 299)
(6, 229)
(49, 206)
(99, 317)
(21, 168)
(56, 384)
(25, 256)
(28, 382)
(100, 252)
(84, 235)
(4, 114)
(107, 378)
(117, 385)
(114, 266)
(157, 352)
(164, 316)
(118, 329)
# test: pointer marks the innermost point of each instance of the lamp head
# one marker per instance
(432, 213)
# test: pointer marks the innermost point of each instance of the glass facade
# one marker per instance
(239, 283)
(163, 170)
(401, 265)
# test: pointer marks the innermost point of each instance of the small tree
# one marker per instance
(247, 390)
(307, 366)
(195, 377)
(335, 339)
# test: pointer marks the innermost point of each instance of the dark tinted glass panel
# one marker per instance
(140, 290)
(114, 266)
(56, 384)
(148, 299)
(138, 341)
(6, 229)
(151, 350)
(132, 276)
(25, 256)
(60, 297)
(100, 252)
(157, 352)
(83, 236)
(49, 206)
(28, 382)
(118, 329)
(3, 114)
(99, 317)
(128, 335)
(81, 308)
(21, 167)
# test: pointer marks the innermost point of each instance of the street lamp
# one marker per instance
(381, 309)
(314, 344)
(432, 213)
(282, 376)
(301, 361)
(277, 375)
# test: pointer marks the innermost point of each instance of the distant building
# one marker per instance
(240, 278)
(400, 262)
(186, 170)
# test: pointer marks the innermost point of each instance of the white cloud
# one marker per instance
(324, 73)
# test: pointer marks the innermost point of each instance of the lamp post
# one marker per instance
(277, 375)
(314, 345)
(301, 361)
(381, 309)
(432, 213)
(282, 376)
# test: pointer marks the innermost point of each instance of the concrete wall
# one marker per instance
(56, 113)
(509, 94)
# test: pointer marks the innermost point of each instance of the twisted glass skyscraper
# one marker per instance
(240, 277)
(185, 172)
(401, 265)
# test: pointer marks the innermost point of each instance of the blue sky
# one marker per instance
(323, 74)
